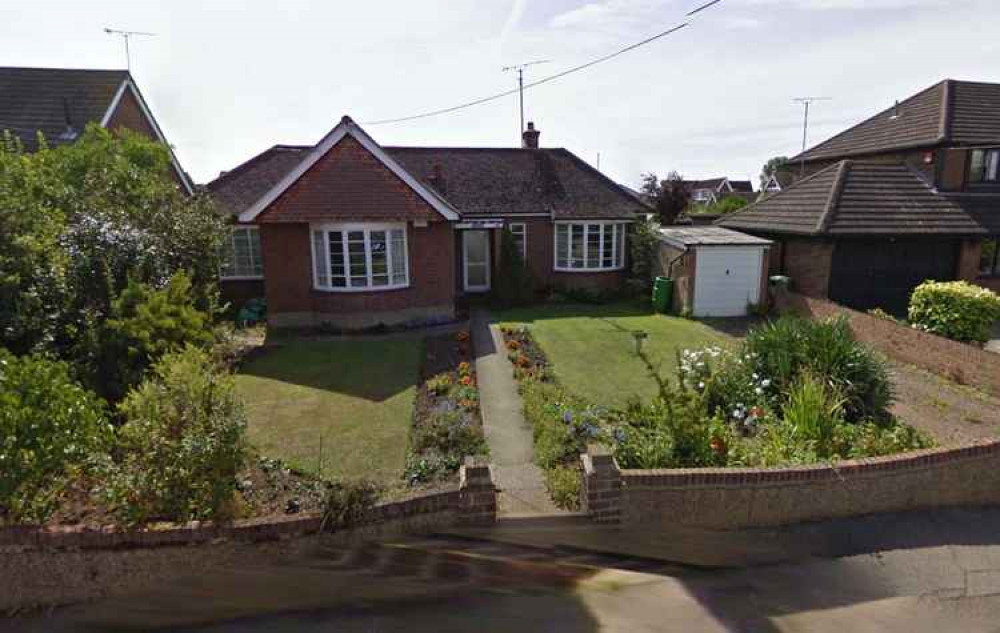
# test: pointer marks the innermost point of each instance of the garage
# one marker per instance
(717, 272)
(867, 274)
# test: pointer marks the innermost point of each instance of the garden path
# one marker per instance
(508, 434)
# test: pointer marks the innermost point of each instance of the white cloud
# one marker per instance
(854, 4)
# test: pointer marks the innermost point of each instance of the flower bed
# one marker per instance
(447, 423)
(796, 392)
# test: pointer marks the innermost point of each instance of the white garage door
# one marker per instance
(726, 279)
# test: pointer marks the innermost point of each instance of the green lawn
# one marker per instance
(592, 350)
(355, 395)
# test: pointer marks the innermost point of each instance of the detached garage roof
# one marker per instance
(684, 236)
(852, 198)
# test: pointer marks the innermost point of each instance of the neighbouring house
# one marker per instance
(353, 234)
(717, 272)
(708, 192)
(910, 194)
(59, 103)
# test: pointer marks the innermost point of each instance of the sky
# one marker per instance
(228, 78)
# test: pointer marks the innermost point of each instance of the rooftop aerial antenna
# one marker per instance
(520, 82)
(806, 102)
(125, 35)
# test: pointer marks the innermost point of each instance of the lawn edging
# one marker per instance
(61, 565)
(960, 362)
(734, 498)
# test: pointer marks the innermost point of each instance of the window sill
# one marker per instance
(588, 270)
(369, 290)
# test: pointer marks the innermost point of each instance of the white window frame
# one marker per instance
(618, 258)
(524, 236)
(254, 257)
(367, 228)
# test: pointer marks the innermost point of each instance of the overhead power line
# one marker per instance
(545, 80)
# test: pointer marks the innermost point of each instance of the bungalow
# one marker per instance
(58, 103)
(910, 194)
(713, 190)
(353, 234)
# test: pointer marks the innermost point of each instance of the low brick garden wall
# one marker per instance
(956, 361)
(733, 498)
(55, 566)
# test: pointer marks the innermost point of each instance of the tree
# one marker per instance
(77, 222)
(669, 197)
(771, 168)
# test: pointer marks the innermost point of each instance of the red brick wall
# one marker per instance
(351, 184)
(541, 253)
(807, 262)
(288, 279)
(950, 359)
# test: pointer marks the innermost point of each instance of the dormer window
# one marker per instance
(985, 166)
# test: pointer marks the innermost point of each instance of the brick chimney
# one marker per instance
(529, 138)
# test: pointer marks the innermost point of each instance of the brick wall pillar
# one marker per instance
(602, 486)
(477, 494)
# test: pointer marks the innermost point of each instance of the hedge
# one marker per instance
(954, 309)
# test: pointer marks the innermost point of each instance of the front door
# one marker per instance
(476, 260)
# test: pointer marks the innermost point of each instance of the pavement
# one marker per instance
(508, 434)
(915, 572)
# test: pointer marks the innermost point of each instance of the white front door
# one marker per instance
(726, 280)
(476, 260)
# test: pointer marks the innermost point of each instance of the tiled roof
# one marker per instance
(852, 198)
(741, 186)
(237, 189)
(50, 99)
(951, 112)
(476, 181)
(984, 209)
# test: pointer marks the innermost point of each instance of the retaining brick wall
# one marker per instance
(733, 498)
(956, 361)
(62, 565)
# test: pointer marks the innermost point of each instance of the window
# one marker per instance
(241, 254)
(989, 258)
(985, 166)
(359, 257)
(587, 246)
(520, 232)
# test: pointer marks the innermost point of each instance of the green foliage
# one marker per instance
(726, 205)
(49, 427)
(879, 313)
(441, 384)
(562, 424)
(79, 221)
(515, 285)
(668, 197)
(954, 309)
(182, 444)
(784, 349)
(564, 484)
(673, 431)
(644, 246)
(449, 433)
(348, 503)
(146, 324)
(814, 410)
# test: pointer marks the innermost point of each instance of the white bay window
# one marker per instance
(359, 257)
(241, 254)
(590, 246)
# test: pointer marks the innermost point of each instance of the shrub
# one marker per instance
(562, 425)
(644, 248)
(182, 444)
(814, 411)
(515, 286)
(147, 324)
(440, 384)
(49, 426)
(784, 349)
(449, 433)
(954, 309)
(348, 503)
(564, 485)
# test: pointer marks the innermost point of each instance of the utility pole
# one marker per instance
(125, 35)
(520, 83)
(806, 101)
